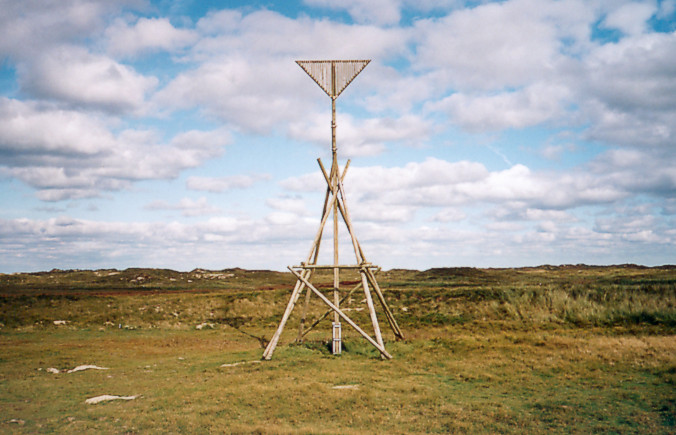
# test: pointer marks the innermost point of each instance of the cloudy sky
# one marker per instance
(182, 134)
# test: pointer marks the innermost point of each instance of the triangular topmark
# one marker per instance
(333, 76)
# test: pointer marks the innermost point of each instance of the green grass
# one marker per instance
(570, 349)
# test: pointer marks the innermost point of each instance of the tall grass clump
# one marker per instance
(589, 305)
(576, 296)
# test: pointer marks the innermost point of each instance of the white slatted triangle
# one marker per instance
(333, 76)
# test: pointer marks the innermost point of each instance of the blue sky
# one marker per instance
(182, 134)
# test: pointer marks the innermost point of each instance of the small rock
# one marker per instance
(59, 322)
(53, 370)
(240, 363)
(107, 397)
(17, 421)
(86, 367)
(345, 387)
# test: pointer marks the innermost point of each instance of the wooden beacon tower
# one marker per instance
(333, 76)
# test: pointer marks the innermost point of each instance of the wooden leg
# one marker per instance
(275, 338)
(381, 298)
(314, 251)
(372, 309)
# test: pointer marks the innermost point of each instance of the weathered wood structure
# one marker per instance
(333, 76)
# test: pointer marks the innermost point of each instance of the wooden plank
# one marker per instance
(331, 266)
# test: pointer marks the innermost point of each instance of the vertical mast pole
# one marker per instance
(334, 180)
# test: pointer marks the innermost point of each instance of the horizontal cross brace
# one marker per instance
(337, 266)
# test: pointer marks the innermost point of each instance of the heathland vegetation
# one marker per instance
(544, 349)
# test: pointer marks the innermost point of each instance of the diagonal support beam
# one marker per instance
(381, 298)
(344, 316)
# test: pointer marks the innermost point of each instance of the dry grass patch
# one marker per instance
(573, 349)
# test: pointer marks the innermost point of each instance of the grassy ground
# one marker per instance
(567, 349)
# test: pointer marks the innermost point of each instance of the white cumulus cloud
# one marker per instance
(79, 156)
(146, 34)
(74, 76)
(222, 184)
